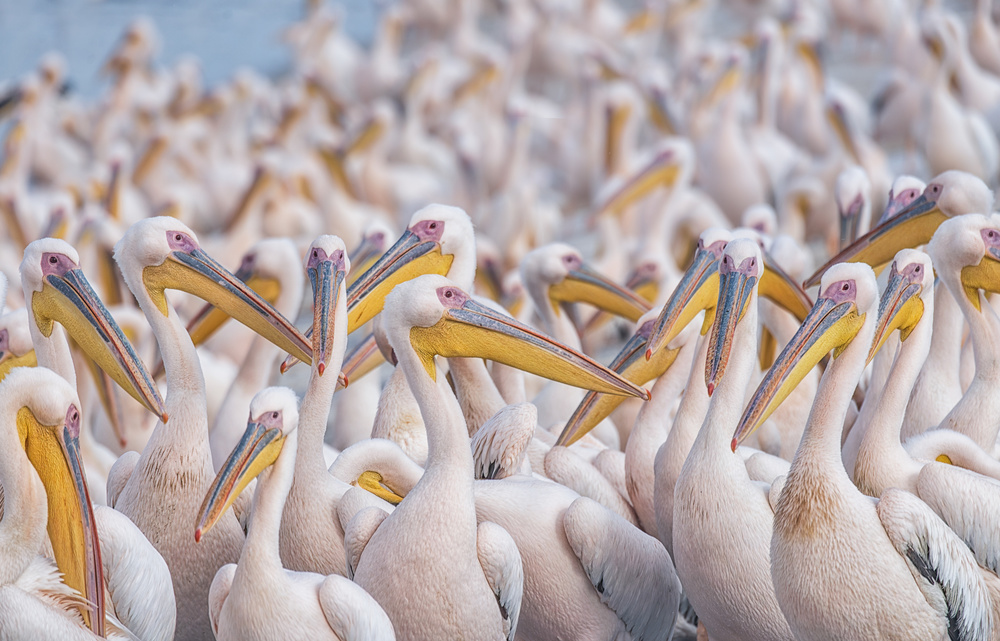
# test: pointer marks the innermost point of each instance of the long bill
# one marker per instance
(476, 331)
(735, 289)
(585, 285)
(829, 326)
(985, 275)
(70, 300)
(914, 225)
(54, 451)
(632, 365)
(210, 318)
(777, 286)
(408, 258)
(259, 448)
(327, 277)
(195, 272)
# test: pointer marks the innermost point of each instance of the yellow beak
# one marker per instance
(584, 285)
(631, 364)
(911, 227)
(54, 451)
(408, 258)
(327, 277)
(830, 325)
(9, 360)
(363, 359)
(985, 276)
(259, 447)
(197, 273)
(476, 331)
(661, 171)
(69, 300)
(735, 289)
(900, 308)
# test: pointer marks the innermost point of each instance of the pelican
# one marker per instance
(714, 495)
(16, 349)
(854, 202)
(949, 194)
(161, 489)
(842, 565)
(295, 604)
(478, 584)
(98, 552)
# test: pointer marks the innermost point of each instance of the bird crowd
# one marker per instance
(597, 321)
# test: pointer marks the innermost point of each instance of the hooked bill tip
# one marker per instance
(163, 417)
(649, 353)
(321, 368)
(197, 535)
(283, 368)
(733, 444)
(711, 388)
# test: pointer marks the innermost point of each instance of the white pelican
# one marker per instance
(295, 604)
(108, 568)
(842, 565)
(882, 461)
(714, 496)
(161, 489)
(424, 317)
(854, 203)
(949, 194)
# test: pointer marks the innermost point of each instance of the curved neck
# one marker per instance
(52, 351)
(319, 397)
(820, 445)
(946, 339)
(477, 395)
(261, 544)
(694, 403)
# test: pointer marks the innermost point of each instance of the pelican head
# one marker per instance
(853, 196)
(263, 269)
(848, 294)
(56, 290)
(274, 416)
(557, 274)
(740, 270)
(15, 342)
(327, 265)
(950, 194)
(911, 283)
(905, 189)
(48, 427)
(161, 253)
(969, 247)
(439, 240)
(430, 316)
(374, 242)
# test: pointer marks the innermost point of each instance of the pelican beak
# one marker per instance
(697, 291)
(985, 275)
(850, 220)
(914, 225)
(259, 447)
(661, 171)
(9, 360)
(777, 286)
(210, 318)
(192, 270)
(585, 285)
(327, 276)
(631, 365)
(372, 481)
(476, 331)
(830, 325)
(410, 257)
(54, 451)
(642, 282)
(371, 248)
(362, 360)
(735, 287)
(70, 300)
(900, 308)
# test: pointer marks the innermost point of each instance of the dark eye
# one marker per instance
(753, 262)
(845, 287)
(75, 416)
(53, 260)
(177, 237)
(274, 415)
(432, 226)
(448, 294)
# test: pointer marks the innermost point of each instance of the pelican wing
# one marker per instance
(501, 563)
(562, 465)
(119, 475)
(969, 503)
(137, 577)
(942, 566)
(631, 570)
(358, 532)
(764, 467)
(219, 592)
(352, 613)
(499, 446)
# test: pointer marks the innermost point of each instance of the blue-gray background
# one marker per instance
(223, 34)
